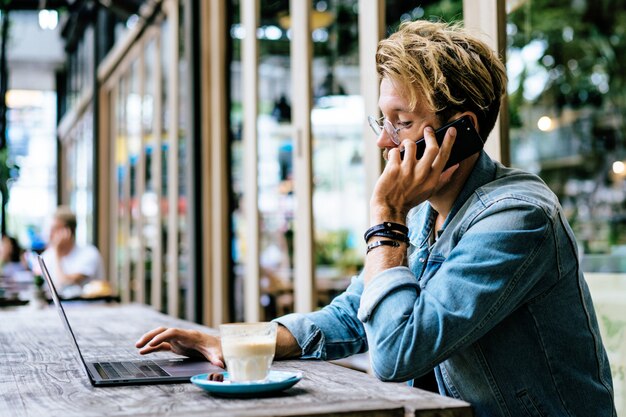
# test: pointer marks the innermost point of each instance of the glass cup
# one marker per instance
(248, 349)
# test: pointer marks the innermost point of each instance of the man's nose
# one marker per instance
(384, 140)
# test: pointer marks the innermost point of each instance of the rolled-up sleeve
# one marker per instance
(333, 332)
(413, 325)
(384, 284)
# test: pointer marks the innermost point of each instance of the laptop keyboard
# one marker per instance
(141, 369)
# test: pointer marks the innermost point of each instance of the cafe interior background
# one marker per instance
(226, 177)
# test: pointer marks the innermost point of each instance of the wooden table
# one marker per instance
(40, 376)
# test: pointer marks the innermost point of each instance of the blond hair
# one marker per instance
(66, 216)
(445, 65)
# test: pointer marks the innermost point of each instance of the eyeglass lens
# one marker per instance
(389, 128)
(392, 131)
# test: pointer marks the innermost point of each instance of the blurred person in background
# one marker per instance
(71, 266)
(11, 259)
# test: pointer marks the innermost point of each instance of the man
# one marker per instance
(71, 266)
(478, 276)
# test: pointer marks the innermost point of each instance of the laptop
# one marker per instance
(131, 372)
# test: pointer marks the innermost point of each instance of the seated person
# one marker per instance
(71, 265)
(11, 257)
(471, 273)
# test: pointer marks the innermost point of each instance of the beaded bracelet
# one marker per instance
(387, 227)
(379, 243)
(391, 235)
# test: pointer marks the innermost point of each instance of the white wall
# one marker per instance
(33, 54)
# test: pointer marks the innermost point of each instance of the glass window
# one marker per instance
(122, 184)
(274, 147)
(339, 199)
(165, 171)
(149, 199)
(31, 130)
(90, 56)
(151, 153)
(184, 137)
(275, 194)
(80, 174)
(275, 167)
(133, 129)
(236, 167)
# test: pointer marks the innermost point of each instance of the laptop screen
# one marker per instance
(61, 311)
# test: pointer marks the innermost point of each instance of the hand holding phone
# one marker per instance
(467, 142)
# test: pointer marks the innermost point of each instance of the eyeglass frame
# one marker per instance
(391, 130)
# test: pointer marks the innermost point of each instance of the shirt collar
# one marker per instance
(484, 171)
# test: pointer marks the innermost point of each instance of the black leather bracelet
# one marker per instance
(379, 243)
(391, 235)
(387, 227)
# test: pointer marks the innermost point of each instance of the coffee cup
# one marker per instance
(248, 349)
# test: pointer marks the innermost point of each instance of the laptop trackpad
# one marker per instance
(187, 366)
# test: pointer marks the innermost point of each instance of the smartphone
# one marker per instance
(467, 142)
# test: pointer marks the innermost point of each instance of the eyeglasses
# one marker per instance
(391, 130)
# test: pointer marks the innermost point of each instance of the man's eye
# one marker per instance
(403, 124)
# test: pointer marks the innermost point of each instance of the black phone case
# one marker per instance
(467, 142)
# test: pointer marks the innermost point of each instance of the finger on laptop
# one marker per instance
(170, 334)
(165, 346)
(143, 340)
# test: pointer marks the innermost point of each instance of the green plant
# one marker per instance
(336, 248)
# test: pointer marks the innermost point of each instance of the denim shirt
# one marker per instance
(497, 306)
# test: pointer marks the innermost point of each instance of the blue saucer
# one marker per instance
(276, 381)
